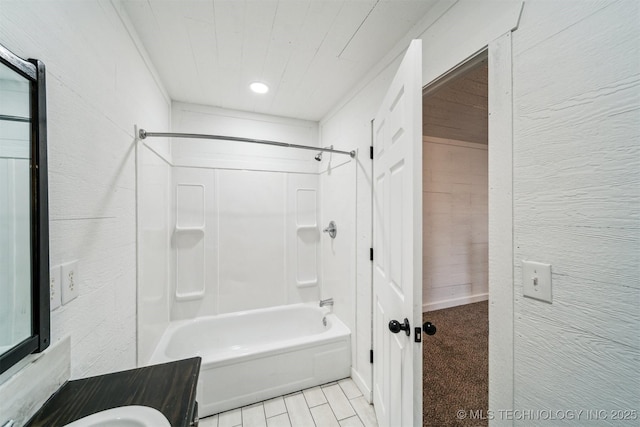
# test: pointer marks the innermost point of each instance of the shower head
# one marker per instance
(318, 156)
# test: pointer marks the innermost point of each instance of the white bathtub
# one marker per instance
(255, 355)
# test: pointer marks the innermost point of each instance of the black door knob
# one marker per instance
(395, 326)
(429, 328)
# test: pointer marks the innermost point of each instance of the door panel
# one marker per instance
(397, 243)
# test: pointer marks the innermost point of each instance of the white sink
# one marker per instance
(124, 416)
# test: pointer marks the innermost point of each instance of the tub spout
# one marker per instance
(328, 301)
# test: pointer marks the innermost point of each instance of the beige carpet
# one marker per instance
(456, 366)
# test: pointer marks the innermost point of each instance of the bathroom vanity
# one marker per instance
(170, 388)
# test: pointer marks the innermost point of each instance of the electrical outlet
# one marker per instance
(70, 283)
(55, 278)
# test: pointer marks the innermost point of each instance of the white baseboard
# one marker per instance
(438, 305)
(366, 391)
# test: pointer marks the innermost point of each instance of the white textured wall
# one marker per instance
(455, 221)
(98, 87)
(576, 94)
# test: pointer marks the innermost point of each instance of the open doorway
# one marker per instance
(455, 246)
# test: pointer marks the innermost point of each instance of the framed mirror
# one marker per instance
(24, 219)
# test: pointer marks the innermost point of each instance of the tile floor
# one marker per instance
(336, 404)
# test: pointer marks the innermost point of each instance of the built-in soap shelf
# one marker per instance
(189, 229)
(191, 296)
(307, 283)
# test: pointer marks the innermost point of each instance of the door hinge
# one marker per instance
(370, 254)
(371, 356)
(371, 152)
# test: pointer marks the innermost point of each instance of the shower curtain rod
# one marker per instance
(143, 134)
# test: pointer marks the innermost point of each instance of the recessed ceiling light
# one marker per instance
(259, 87)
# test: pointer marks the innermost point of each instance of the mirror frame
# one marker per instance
(34, 71)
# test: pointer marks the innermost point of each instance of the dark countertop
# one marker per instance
(169, 388)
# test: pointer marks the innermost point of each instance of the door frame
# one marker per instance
(501, 261)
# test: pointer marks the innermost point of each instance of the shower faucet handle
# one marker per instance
(332, 229)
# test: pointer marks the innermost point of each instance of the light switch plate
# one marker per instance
(536, 280)
(70, 284)
(55, 289)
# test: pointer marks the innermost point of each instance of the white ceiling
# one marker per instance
(310, 52)
(459, 108)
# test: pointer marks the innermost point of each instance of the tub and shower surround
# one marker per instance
(225, 226)
(241, 253)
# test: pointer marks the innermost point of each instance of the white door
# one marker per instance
(397, 246)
